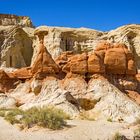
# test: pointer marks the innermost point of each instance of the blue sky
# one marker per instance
(97, 14)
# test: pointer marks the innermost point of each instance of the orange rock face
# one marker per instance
(119, 60)
(44, 62)
(96, 62)
(63, 59)
(115, 61)
(23, 73)
(103, 45)
(6, 82)
(77, 64)
(107, 58)
(68, 62)
(134, 96)
(131, 65)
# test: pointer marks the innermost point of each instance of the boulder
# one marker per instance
(6, 82)
(75, 84)
(77, 64)
(111, 102)
(96, 62)
(115, 61)
(52, 95)
(36, 86)
(62, 60)
(7, 102)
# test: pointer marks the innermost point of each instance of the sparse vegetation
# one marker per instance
(85, 116)
(109, 120)
(137, 132)
(118, 136)
(138, 120)
(48, 117)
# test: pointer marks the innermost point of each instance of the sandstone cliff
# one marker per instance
(6, 19)
(79, 40)
(15, 41)
(78, 70)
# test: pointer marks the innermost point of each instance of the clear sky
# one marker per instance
(97, 14)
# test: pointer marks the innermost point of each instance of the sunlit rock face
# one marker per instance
(109, 58)
(79, 40)
(61, 39)
(15, 41)
(6, 20)
(77, 70)
(16, 48)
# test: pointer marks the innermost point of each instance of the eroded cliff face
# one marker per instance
(62, 39)
(78, 70)
(16, 49)
(79, 40)
(7, 19)
(130, 36)
(15, 41)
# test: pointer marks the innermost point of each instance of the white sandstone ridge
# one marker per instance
(8, 19)
(98, 99)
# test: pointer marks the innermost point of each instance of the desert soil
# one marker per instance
(77, 130)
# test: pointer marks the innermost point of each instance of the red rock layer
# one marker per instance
(107, 58)
(44, 62)
(6, 82)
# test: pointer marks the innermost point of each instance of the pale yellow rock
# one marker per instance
(16, 47)
(7, 19)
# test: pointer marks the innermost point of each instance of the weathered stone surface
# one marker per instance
(130, 36)
(44, 62)
(23, 93)
(7, 102)
(63, 59)
(36, 86)
(112, 103)
(16, 47)
(6, 20)
(89, 57)
(52, 95)
(23, 73)
(62, 39)
(115, 61)
(107, 58)
(75, 84)
(6, 82)
(77, 64)
(96, 62)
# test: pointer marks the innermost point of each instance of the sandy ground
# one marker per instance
(78, 130)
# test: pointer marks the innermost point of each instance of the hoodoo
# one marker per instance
(43, 64)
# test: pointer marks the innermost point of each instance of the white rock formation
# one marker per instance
(16, 49)
(112, 103)
(7, 102)
(52, 95)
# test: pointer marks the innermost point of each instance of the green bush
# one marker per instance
(109, 120)
(118, 136)
(46, 117)
(137, 132)
(138, 120)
